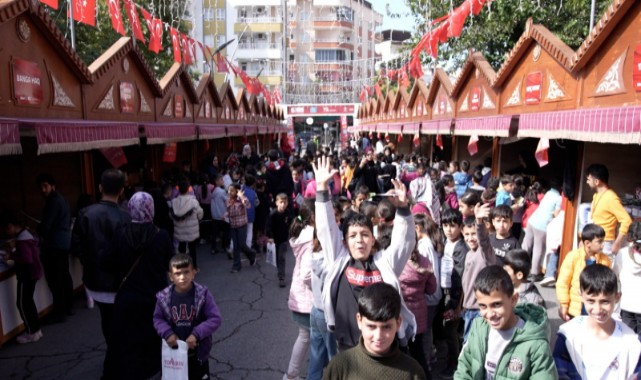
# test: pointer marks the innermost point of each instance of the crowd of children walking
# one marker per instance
(391, 256)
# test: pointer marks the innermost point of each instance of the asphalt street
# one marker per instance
(253, 343)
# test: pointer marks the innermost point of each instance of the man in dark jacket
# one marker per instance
(55, 240)
(368, 171)
(92, 234)
(279, 176)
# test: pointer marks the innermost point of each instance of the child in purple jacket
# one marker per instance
(187, 311)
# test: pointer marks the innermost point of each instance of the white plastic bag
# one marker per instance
(271, 254)
(174, 362)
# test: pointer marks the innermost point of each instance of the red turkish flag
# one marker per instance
(184, 42)
(379, 93)
(416, 67)
(363, 95)
(175, 43)
(277, 96)
(476, 6)
(169, 153)
(221, 63)
(192, 49)
(116, 17)
(416, 140)
(403, 79)
(52, 3)
(134, 21)
(253, 85)
(472, 145)
(457, 19)
(267, 95)
(155, 31)
(399, 138)
(541, 153)
(84, 11)
(439, 141)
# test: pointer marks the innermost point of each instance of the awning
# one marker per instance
(620, 125)
(251, 129)
(380, 128)
(495, 126)
(395, 128)
(161, 133)
(211, 131)
(9, 138)
(436, 127)
(411, 128)
(263, 129)
(76, 136)
(235, 130)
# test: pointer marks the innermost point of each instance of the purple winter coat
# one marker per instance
(206, 322)
(26, 256)
(415, 284)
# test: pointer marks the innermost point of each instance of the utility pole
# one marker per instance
(71, 26)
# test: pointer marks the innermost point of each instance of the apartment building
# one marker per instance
(315, 51)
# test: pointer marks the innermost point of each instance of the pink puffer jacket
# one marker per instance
(300, 293)
(416, 282)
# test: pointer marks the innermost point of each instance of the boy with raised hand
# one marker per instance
(509, 341)
(595, 346)
(377, 356)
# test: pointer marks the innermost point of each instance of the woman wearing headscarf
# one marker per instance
(143, 252)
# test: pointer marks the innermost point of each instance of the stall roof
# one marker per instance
(227, 93)
(475, 60)
(10, 9)
(115, 54)
(440, 76)
(548, 41)
(611, 17)
(419, 86)
(401, 95)
(178, 72)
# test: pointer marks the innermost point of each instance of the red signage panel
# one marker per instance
(126, 97)
(476, 99)
(27, 82)
(636, 69)
(179, 106)
(533, 88)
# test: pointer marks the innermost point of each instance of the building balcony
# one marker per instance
(332, 44)
(260, 20)
(262, 27)
(259, 50)
(332, 22)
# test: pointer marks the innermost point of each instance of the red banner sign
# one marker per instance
(169, 153)
(321, 109)
(343, 132)
(442, 104)
(127, 97)
(179, 107)
(115, 155)
(476, 99)
(636, 69)
(27, 82)
(208, 110)
(533, 88)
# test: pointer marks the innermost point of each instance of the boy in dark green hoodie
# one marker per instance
(508, 341)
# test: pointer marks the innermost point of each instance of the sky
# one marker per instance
(405, 22)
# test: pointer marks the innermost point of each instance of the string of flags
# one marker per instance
(183, 46)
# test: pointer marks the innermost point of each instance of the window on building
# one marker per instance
(208, 14)
(220, 13)
(291, 58)
(304, 15)
(330, 55)
(220, 39)
(344, 14)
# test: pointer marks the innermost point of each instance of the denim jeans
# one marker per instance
(238, 236)
(282, 249)
(322, 345)
(468, 316)
(553, 264)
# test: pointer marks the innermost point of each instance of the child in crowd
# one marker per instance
(480, 255)
(502, 240)
(278, 233)
(467, 202)
(430, 245)
(354, 261)
(23, 250)
(452, 268)
(362, 194)
(504, 194)
(477, 177)
(451, 200)
(262, 212)
(250, 194)
(423, 191)
(567, 284)
(462, 179)
(377, 356)
(194, 327)
(596, 346)
(303, 241)
(627, 266)
(417, 281)
(237, 207)
(300, 186)
(218, 210)
(509, 341)
(186, 214)
(517, 264)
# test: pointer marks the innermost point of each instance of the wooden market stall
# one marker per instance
(440, 114)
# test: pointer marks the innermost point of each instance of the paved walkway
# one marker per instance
(253, 343)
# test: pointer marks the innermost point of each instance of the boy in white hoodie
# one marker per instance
(595, 346)
(627, 266)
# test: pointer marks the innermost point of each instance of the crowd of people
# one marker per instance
(391, 255)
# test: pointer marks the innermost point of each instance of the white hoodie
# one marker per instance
(629, 272)
(186, 212)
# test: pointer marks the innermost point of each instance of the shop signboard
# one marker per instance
(476, 99)
(533, 88)
(27, 82)
(126, 97)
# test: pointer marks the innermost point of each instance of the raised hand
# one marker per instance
(481, 211)
(323, 173)
(398, 195)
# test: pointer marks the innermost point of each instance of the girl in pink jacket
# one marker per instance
(417, 280)
(302, 240)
